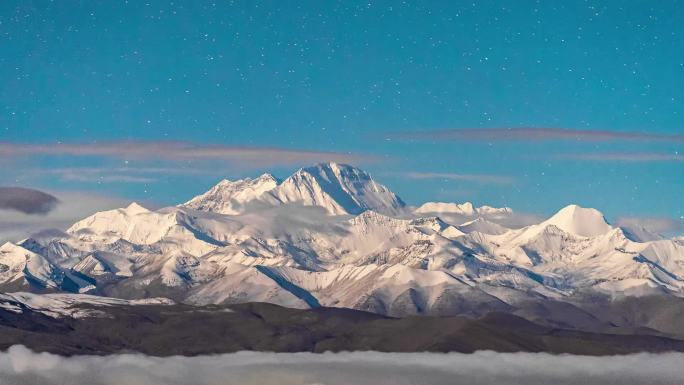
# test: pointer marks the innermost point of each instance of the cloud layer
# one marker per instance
(657, 225)
(20, 366)
(537, 134)
(637, 157)
(477, 178)
(179, 151)
(27, 201)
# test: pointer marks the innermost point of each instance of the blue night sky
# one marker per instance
(583, 100)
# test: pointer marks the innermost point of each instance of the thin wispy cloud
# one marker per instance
(180, 151)
(75, 177)
(477, 178)
(131, 170)
(121, 174)
(637, 157)
(98, 175)
(535, 134)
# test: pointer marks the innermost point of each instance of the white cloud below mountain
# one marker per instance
(21, 366)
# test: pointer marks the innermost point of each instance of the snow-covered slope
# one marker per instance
(67, 305)
(329, 235)
(22, 266)
(23, 269)
(167, 229)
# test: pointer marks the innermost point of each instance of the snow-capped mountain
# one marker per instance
(329, 235)
(340, 189)
(576, 220)
(337, 188)
(230, 197)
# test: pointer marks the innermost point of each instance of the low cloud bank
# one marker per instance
(20, 366)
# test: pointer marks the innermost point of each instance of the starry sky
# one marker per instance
(529, 104)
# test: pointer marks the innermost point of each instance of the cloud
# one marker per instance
(656, 225)
(114, 174)
(517, 220)
(26, 200)
(76, 177)
(625, 157)
(478, 178)
(180, 151)
(511, 220)
(73, 206)
(282, 220)
(536, 134)
(21, 366)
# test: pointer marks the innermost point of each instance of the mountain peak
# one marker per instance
(8, 246)
(574, 219)
(261, 179)
(266, 177)
(11, 247)
(135, 208)
(228, 197)
(331, 165)
(338, 188)
(329, 169)
(12, 254)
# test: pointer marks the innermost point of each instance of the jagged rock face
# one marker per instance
(329, 235)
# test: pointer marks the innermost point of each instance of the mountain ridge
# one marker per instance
(338, 188)
(330, 235)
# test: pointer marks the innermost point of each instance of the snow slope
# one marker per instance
(23, 269)
(67, 305)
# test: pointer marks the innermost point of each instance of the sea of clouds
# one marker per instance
(21, 366)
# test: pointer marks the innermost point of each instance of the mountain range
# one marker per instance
(331, 236)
